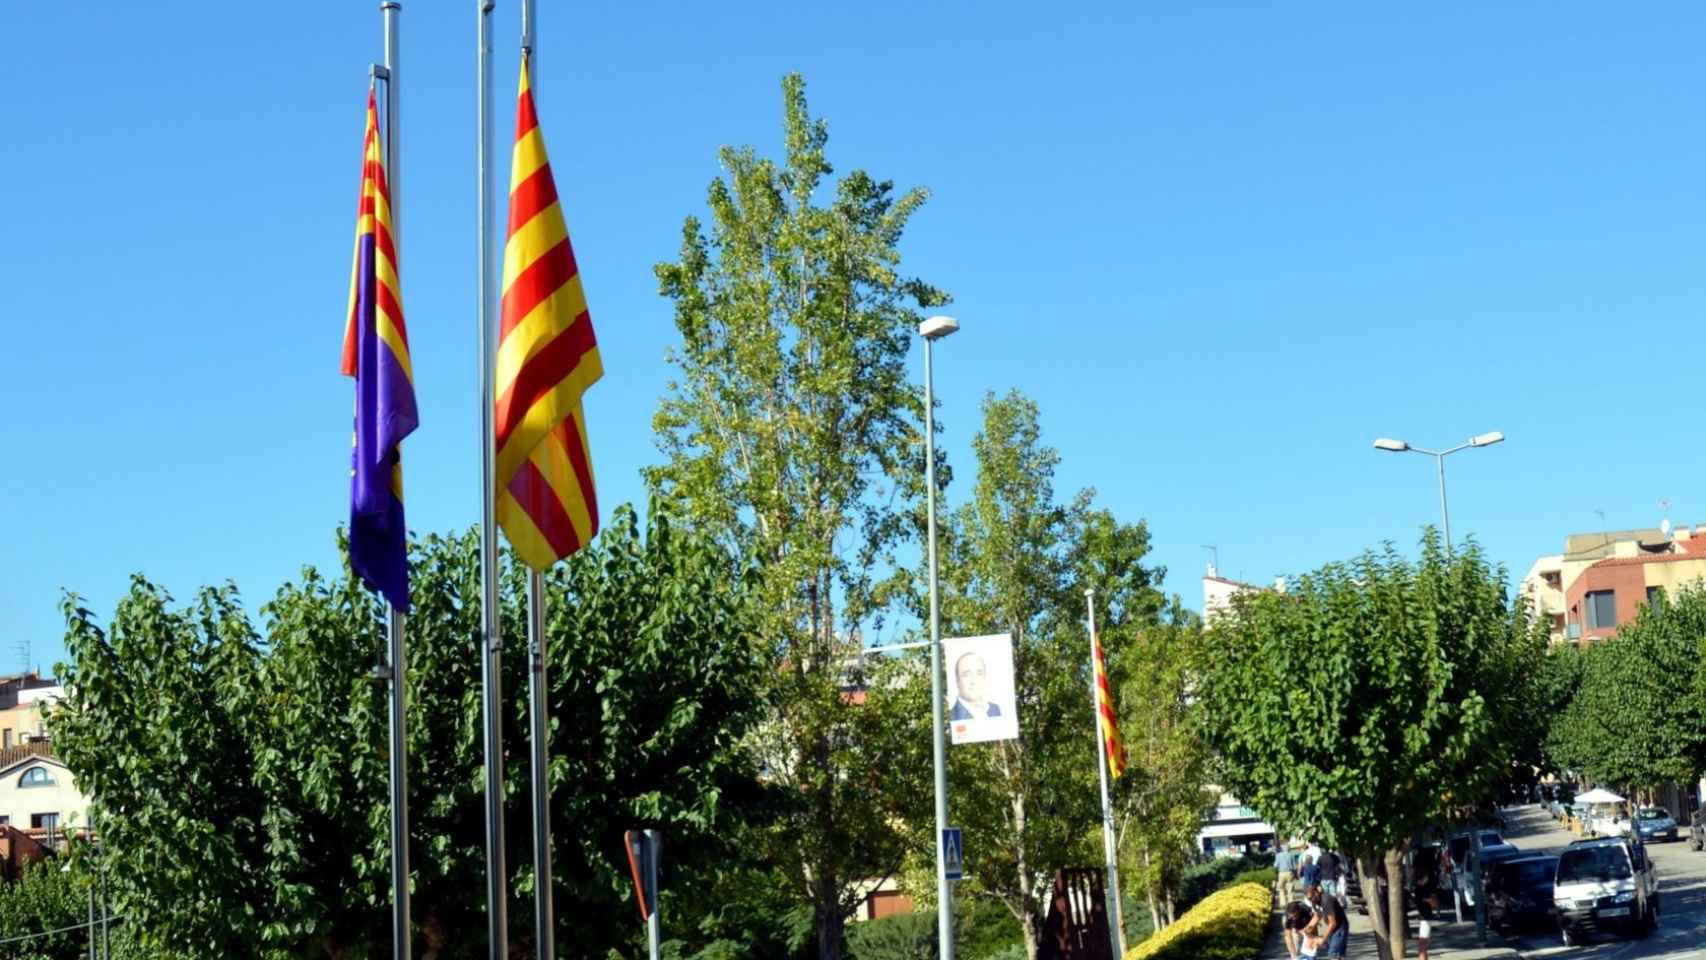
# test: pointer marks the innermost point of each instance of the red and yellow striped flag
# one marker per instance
(547, 357)
(1105, 714)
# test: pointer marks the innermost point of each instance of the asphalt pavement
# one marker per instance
(1682, 910)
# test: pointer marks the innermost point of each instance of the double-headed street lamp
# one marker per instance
(932, 330)
(1399, 446)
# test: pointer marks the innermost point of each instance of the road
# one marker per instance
(1682, 898)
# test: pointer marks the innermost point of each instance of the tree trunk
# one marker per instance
(1398, 923)
(1154, 912)
(828, 920)
(1033, 933)
(1172, 909)
(1369, 871)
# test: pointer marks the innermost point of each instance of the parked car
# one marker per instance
(1697, 829)
(1654, 823)
(1605, 886)
(1519, 891)
(1493, 848)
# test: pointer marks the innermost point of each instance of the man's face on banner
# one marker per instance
(970, 673)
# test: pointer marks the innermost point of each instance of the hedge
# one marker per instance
(1229, 924)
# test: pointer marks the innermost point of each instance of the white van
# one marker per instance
(1605, 886)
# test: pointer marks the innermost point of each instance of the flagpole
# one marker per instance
(1116, 931)
(539, 734)
(397, 669)
(497, 878)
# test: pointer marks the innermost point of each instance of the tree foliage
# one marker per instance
(792, 436)
(1372, 699)
(239, 775)
(1634, 714)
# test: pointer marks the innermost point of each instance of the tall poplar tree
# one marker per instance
(793, 435)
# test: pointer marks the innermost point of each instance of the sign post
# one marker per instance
(645, 849)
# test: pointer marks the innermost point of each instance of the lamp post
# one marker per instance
(1479, 440)
(1399, 446)
(933, 329)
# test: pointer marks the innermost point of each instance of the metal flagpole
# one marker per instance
(491, 679)
(397, 668)
(1116, 922)
(539, 742)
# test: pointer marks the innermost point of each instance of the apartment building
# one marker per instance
(1602, 580)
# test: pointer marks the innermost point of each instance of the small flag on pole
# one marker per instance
(547, 357)
(376, 354)
(1105, 713)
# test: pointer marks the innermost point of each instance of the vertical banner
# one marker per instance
(980, 698)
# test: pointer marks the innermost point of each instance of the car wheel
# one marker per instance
(1569, 936)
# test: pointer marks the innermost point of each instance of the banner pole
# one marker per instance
(544, 915)
(1116, 925)
(491, 658)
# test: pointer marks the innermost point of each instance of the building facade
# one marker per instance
(1602, 580)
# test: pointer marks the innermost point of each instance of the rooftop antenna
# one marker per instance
(1214, 564)
(1664, 511)
(24, 656)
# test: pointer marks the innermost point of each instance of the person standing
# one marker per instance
(1330, 864)
(1285, 879)
(1309, 873)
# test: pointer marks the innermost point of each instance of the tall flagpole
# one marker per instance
(397, 670)
(539, 734)
(1116, 924)
(497, 878)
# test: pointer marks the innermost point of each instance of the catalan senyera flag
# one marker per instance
(1105, 715)
(547, 357)
(376, 354)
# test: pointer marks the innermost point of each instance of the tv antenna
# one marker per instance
(1214, 553)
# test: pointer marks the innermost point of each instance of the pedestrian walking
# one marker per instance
(1309, 873)
(1285, 876)
(1330, 865)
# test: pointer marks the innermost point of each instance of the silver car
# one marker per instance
(1655, 823)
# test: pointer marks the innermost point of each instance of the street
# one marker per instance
(1682, 897)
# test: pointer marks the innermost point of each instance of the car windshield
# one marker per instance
(1491, 837)
(1593, 864)
(1651, 813)
(1534, 873)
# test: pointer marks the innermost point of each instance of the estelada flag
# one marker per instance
(546, 359)
(1105, 716)
(376, 354)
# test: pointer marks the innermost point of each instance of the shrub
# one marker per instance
(1263, 875)
(1229, 924)
(1200, 880)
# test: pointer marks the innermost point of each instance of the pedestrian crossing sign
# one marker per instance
(953, 853)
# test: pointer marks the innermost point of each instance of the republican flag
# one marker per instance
(547, 357)
(376, 354)
(1105, 714)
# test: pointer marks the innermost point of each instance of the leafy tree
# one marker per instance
(1372, 699)
(792, 437)
(1161, 799)
(1626, 723)
(1016, 559)
(240, 783)
(46, 898)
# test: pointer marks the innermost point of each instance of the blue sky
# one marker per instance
(1224, 246)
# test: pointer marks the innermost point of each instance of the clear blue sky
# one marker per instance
(1224, 247)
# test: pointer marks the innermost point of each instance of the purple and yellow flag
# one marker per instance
(376, 354)
(547, 357)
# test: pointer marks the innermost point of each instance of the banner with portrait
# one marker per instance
(981, 705)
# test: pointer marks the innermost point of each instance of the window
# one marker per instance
(1655, 597)
(6, 737)
(44, 821)
(1602, 609)
(5, 821)
(36, 777)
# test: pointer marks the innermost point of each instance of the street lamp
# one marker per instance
(933, 329)
(1479, 440)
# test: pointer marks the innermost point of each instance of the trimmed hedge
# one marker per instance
(1229, 924)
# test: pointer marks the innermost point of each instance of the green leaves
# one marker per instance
(242, 785)
(1372, 698)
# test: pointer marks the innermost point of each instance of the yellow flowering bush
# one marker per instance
(1229, 924)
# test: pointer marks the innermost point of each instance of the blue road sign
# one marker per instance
(953, 853)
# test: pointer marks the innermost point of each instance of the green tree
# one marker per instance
(240, 784)
(1161, 800)
(1016, 559)
(792, 436)
(1627, 722)
(1370, 700)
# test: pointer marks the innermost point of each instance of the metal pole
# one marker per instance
(654, 926)
(1444, 514)
(544, 926)
(401, 926)
(92, 954)
(944, 897)
(491, 659)
(654, 935)
(1116, 923)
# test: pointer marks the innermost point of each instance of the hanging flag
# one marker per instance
(547, 357)
(1105, 713)
(376, 354)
